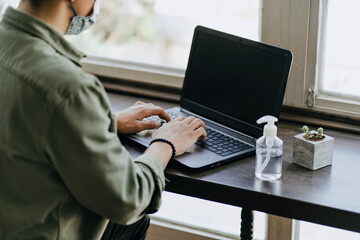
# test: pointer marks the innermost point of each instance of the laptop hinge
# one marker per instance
(219, 125)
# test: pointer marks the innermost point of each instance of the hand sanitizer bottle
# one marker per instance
(269, 149)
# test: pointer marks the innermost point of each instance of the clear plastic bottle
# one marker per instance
(269, 149)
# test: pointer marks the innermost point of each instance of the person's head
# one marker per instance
(83, 7)
(58, 12)
(35, 3)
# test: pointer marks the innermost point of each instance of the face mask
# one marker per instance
(81, 23)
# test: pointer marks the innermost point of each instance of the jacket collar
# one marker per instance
(36, 27)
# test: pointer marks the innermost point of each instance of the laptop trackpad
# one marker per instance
(194, 148)
(197, 157)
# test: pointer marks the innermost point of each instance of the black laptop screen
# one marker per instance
(235, 78)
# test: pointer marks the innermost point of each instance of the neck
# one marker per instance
(56, 13)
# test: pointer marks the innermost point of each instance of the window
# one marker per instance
(159, 32)
(310, 231)
(5, 3)
(301, 27)
(336, 85)
(339, 62)
(149, 41)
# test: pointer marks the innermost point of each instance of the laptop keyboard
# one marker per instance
(222, 144)
(215, 141)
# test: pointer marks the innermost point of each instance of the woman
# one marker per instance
(63, 170)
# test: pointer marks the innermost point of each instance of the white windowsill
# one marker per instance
(138, 72)
(338, 106)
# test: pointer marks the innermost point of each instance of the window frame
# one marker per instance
(296, 27)
(332, 102)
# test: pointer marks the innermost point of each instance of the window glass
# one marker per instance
(213, 216)
(311, 231)
(340, 66)
(160, 31)
(5, 3)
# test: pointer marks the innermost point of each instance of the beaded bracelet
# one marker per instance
(165, 141)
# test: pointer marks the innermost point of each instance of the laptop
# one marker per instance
(229, 83)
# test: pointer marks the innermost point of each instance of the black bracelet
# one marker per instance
(165, 141)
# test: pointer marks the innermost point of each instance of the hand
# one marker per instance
(182, 132)
(130, 120)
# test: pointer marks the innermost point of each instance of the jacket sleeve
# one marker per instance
(85, 150)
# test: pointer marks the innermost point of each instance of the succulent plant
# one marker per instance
(313, 135)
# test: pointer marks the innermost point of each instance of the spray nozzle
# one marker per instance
(270, 128)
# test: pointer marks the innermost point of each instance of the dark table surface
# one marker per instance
(329, 196)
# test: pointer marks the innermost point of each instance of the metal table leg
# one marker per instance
(247, 224)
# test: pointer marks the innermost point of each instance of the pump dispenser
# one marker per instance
(269, 150)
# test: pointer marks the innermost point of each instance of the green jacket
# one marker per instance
(63, 170)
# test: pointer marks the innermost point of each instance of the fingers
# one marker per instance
(200, 133)
(139, 103)
(149, 125)
(149, 109)
(188, 120)
(199, 128)
(163, 115)
(157, 111)
(196, 123)
(179, 118)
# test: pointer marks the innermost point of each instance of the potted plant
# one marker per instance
(313, 149)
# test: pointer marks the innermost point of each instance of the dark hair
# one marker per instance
(34, 3)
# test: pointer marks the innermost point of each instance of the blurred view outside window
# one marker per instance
(311, 231)
(340, 62)
(5, 3)
(159, 32)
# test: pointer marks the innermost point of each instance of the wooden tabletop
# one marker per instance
(329, 196)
